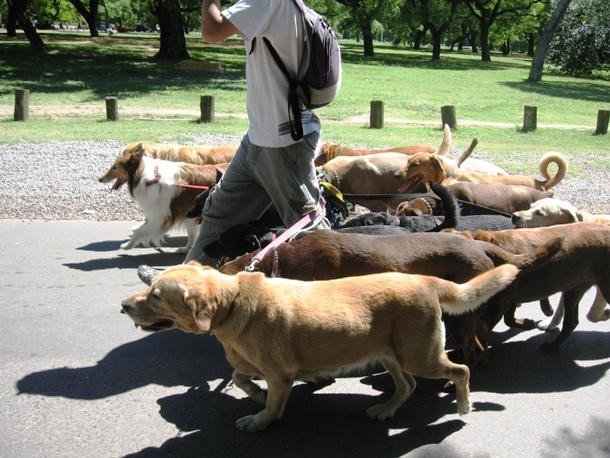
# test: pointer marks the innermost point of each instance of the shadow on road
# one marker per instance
(319, 423)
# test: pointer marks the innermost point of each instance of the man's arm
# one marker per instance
(214, 26)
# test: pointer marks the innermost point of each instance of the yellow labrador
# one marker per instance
(282, 330)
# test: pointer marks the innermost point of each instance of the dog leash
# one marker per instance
(191, 186)
(292, 230)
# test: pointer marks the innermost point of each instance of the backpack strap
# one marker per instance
(294, 109)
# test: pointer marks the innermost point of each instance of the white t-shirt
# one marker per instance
(267, 88)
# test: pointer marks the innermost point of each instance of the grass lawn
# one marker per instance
(160, 101)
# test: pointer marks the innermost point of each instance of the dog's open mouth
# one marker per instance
(410, 183)
(156, 326)
(117, 184)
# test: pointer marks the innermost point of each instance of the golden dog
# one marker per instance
(422, 168)
(282, 330)
(330, 151)
(549, 211)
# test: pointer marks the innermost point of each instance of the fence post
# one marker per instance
(207, 108)
(22, 105)
(112, 108)
(376, 118)
(603, 116)
(448, 116)
(530, 115)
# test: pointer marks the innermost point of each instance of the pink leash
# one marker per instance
(304, 221)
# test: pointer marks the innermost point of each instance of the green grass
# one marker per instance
(71, 82)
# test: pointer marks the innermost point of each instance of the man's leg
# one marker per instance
(236, 199)
(289, 177)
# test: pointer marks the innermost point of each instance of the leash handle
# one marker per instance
(304, 221)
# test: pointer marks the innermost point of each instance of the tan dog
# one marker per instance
(547, 212)
(503, 197)
(330, 151)
(178, 153)
(422, 168)
(371, 174)
(281, 330)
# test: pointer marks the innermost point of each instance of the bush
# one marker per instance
(582, 43)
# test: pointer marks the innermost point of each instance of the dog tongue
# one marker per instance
(408, 184)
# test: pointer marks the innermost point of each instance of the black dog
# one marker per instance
(429, 223)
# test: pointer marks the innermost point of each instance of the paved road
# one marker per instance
(79, 380)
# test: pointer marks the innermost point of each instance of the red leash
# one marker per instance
(191, 186)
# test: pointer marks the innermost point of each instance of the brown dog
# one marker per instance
(503, 197)
(325, 255)
(284, 330)
(330, 151)
(581, 264)
(422, 168)
(371, 174)
(156, 186)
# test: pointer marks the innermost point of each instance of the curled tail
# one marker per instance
(445, 147)
(562, 168)
(457, 299)
(468, 151)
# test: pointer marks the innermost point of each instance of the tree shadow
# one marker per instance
(580, 90)
(89, 64)
(594, 442)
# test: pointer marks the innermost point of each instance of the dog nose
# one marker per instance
(125, 308)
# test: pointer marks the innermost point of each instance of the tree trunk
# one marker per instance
(367, 37)
(11, 21)
(436, 44)
(419, 36)
(90, 16)
(27, 26)
(171, 23)
(530, 45)
(545, 39)
(472, 41)
(485, 48)
(506, 47)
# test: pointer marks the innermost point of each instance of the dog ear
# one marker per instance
(201, 310)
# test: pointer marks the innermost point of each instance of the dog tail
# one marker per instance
(457, 299)
(468, 151)
(562, 168)
(451, 209)
(445, 147)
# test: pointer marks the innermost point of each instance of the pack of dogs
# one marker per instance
(429, 254)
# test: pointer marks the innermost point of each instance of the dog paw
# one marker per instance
(127, 245)
(251, 423)
(463, 409)
(381, 411)
(546, 325)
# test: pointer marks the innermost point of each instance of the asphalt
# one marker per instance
(80, 380)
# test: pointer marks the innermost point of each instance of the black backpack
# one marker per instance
(319, 75)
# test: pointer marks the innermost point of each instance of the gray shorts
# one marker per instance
(256, 178)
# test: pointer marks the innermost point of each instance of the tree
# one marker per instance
(435, 16)
(18, 15)
(90, 15)
(488, 11)
(582, 43)
(172, 40)
(363, 13)
(545, 39)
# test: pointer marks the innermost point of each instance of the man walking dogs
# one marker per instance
(270, 166)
